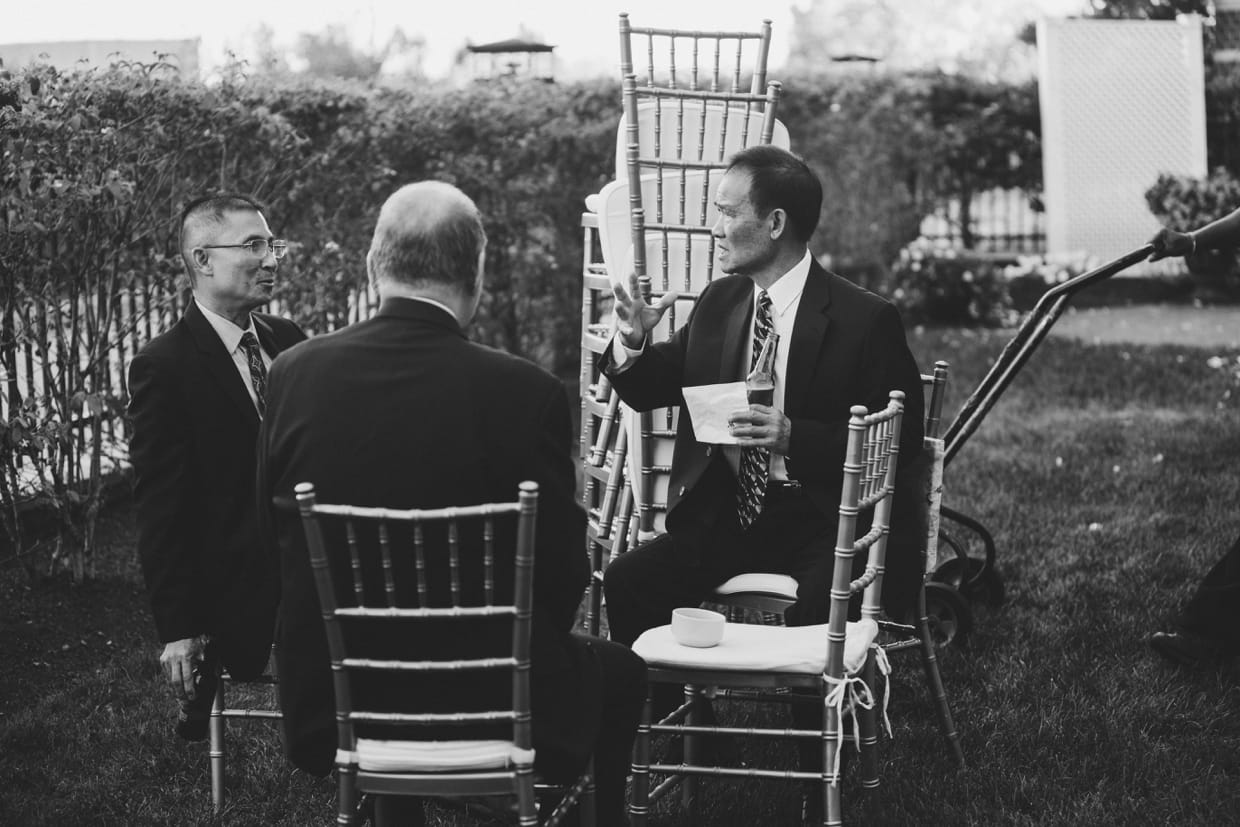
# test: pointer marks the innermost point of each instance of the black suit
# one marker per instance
(404, 411)
(194, 434)
(847, 348)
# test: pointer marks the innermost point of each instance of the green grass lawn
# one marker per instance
(1107, 474)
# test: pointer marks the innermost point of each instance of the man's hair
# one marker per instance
(209, 210)
(780, 180)
(445, 253)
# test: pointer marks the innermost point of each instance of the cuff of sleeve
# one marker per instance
(622, 356)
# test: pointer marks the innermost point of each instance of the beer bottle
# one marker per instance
(760, 383)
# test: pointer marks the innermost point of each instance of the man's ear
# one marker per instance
(779, 223)
(202, 262)
(370, 275)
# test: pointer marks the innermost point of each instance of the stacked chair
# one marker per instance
(693, 100)
(679, 124)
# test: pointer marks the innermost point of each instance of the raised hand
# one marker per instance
(635, 316)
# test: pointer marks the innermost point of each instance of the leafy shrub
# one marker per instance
(891, 147)
(1183, 203)
(936, 285)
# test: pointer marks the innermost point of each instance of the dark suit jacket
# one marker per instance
(194, 433)
(847, 348)
(403, 411)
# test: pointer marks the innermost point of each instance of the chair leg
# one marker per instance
(215, 747)
(594, 594)
(587, 806)
(346, 794)
(527, 803)
(934, 681)
(639, 795)
(832, 809)
(867, 722)
(692, 748)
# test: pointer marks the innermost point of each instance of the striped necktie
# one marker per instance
(755, 462)
(258, 371)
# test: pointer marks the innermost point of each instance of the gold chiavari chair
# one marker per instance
(833, 665)
(237, 700)
(700, 97)
(770, 594)
(428, 616)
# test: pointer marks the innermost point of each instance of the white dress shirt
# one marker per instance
(231, 335)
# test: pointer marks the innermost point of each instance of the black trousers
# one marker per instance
(683, 567)
(624, 693)
(1214, 609)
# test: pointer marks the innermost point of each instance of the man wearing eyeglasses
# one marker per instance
(197, 395)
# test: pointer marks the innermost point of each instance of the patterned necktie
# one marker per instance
(751, 479)
(258, 371)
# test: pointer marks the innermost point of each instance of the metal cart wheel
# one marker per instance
(972, 578)
(948, 614)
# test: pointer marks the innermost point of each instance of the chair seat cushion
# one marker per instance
(438, 756)
(775, 585)
(746, 647)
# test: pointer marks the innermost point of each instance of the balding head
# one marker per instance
(428, 240)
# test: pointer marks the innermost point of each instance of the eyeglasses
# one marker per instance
(257, 247)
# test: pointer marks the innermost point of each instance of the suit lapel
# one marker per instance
(736, 334)
(808, 331)
(217, 361)
(266, 336)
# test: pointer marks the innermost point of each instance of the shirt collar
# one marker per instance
(438, 304)
(788, 287)
(228, 332)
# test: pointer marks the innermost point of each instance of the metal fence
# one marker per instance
(41, 342)
(997, 221)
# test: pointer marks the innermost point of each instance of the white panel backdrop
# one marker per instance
(1122, 101)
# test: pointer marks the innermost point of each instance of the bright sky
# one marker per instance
(583, 31)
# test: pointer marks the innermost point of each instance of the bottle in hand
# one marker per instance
(760, 383)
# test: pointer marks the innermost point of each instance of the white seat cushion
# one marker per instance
(438, 756)
(753, 648)
(775, 585)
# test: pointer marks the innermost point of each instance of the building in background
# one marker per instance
(516, 57)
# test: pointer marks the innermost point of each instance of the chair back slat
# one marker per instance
(356, 563)
(385, 548)
(419, 556)
(488, 560)
(454, 562)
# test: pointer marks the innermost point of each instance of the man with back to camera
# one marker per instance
(839, 346)
(196, 399)
(416, 415)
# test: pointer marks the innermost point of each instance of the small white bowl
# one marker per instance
(700, 628)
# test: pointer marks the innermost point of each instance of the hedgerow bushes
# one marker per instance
(95, 165)
(94, 168)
